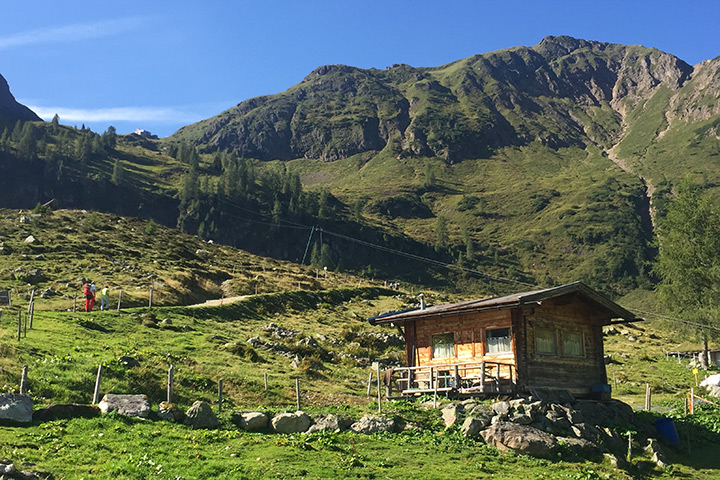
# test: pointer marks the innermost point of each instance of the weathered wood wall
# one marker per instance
(533, 369)
(469, 332)
(577, 373)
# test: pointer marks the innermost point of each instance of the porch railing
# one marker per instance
(464, 378)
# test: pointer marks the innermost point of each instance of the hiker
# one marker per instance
(105, 298)
(88, 296)
(93, 289)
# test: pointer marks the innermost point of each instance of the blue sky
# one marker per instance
(160, 65)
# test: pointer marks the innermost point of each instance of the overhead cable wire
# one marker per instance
(427, 260)
(678, 320)
(299, 226)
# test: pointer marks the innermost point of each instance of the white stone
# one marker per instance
(130, 405)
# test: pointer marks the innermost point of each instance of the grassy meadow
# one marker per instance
(314, 330)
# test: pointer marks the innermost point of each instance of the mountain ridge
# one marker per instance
(10, 109)
(475, 103)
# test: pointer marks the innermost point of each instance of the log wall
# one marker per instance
(559, 370)
(469, 334)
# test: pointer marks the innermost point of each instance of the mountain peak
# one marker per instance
(10, 109)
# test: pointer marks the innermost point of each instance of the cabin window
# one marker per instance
(572, 344)
(498, 340)
(443, 345)
(545, 341)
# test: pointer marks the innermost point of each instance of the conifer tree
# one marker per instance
(118, 174)
(441, 234)
(27, 144)
(688, 263)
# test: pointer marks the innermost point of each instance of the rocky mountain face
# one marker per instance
(10, 109)
(562, 92)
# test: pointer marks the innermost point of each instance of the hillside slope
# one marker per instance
(54, 253)
(539, 165)
(562, 92)
(549, 156)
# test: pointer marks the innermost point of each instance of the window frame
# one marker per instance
(508, 336)
(451, 335)
(553, 332)
(581, 338)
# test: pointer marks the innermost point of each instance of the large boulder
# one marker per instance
(200, 415)
(297, 422)
(130, 405)
(501, 409)
(330, 422)
(522, 439)
(451, 413)
(128, 362)
(373, 424)
(254, 421)
(65, 411)
(472, 426)
(15, 409)
(581, 447)
(170, 412)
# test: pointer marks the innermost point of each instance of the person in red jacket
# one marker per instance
(89, 297)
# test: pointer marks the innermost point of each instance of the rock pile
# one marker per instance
(539, 429)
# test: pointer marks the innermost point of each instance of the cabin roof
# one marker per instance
(534, 297)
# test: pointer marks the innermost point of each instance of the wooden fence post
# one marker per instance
(614, 381)
(32, 296)
(692, 400)
(96, 393)
(482, 377)
(378, 388)
(171, 375)
(265, 375)
(220, 395)
(369, 383)
(19, 324)
(151, 295)
(648, 399)
(297, 393)
(24, 380)
(119, 299)
(32, 314)
(75, 303)
(25, 317)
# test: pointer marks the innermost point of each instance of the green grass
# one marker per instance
(64, 349)
(132, 255)
(113, 447)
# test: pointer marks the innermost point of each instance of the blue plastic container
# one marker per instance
(666, 428)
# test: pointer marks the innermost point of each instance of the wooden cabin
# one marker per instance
(544, 339)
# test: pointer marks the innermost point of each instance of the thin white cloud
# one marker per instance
(71, 33)
(118, 114)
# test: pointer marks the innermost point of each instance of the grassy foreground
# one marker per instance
(334, 345)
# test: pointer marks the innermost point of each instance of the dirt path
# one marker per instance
(219, 301)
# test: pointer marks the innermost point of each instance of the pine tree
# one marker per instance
(118, 174)
(469, 245)
(441, 234)
(109, 138)
(217, 163)
(688, 263)
(27, 144)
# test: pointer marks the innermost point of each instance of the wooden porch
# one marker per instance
(465, 379)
